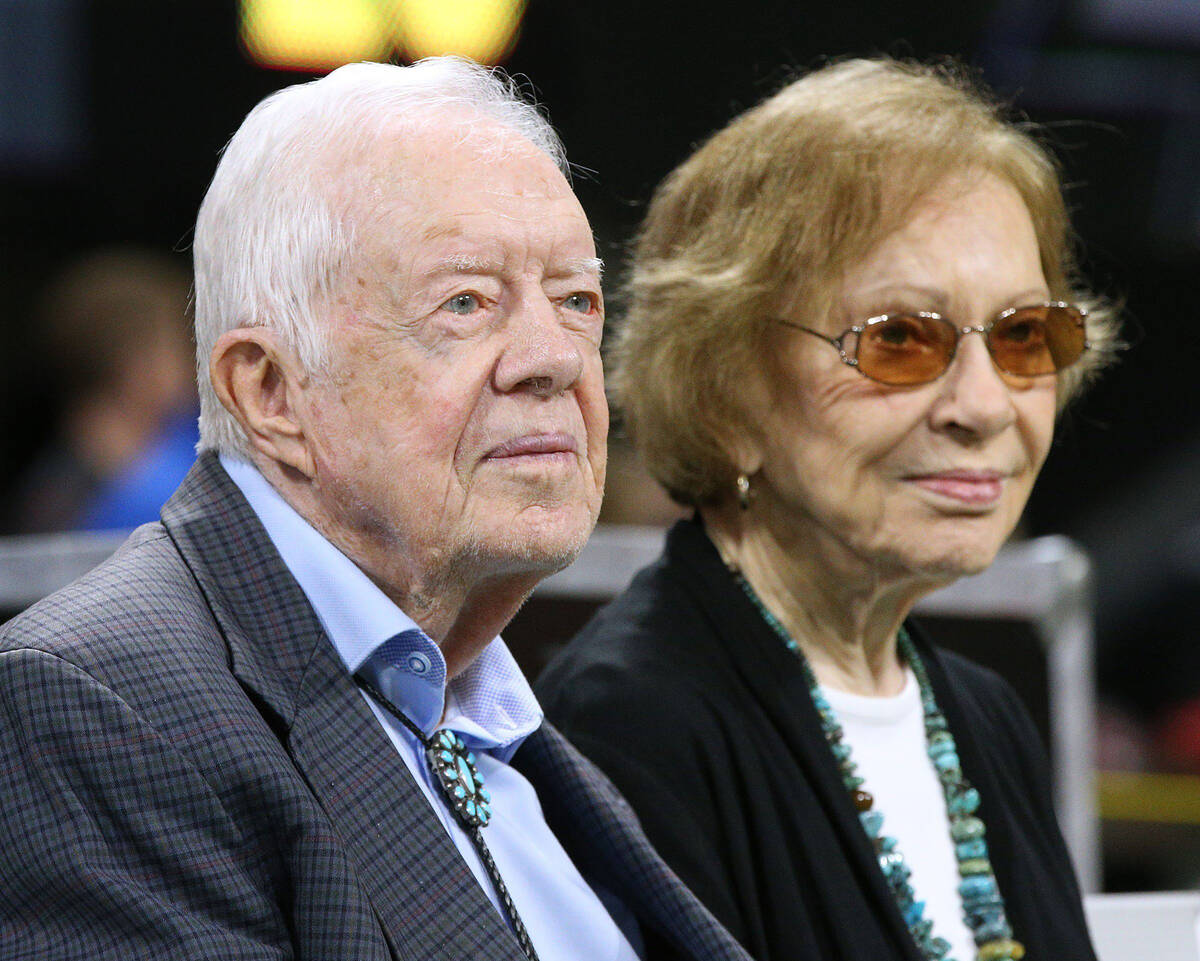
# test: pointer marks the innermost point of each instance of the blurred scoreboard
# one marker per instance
(319, 35)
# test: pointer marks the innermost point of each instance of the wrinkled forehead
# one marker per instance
(404, 152)
(457, 186)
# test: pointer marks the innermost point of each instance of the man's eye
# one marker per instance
(462, 304)
(582, 303)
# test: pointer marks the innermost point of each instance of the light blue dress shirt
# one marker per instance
(490, 705)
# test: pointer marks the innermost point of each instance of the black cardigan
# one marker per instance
(687, 699)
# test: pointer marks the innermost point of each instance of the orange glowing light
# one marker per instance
(315, 35)
(319, 35)
(481, 30)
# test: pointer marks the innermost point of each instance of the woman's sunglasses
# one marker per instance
(907, 349)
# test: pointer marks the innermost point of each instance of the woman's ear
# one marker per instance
(261, 384)
(743, 447)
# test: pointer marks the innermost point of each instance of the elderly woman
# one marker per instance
(853, 319)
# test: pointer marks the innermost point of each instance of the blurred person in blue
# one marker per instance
(281, 723)
(113, 333)
(853, 317)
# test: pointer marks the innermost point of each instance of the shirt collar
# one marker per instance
(490, 703)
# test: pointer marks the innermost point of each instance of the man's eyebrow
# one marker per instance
(464, 264)
(470, 264)
(586, 265)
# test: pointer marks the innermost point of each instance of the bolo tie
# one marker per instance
(454, 771)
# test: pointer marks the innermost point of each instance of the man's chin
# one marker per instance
(535, 544)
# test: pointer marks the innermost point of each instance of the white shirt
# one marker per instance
(887, 744)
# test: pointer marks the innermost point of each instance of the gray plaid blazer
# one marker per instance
(187, 771)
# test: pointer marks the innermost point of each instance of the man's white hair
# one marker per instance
(274, 234)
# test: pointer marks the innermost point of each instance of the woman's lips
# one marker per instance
(977, 488)
(535, 445)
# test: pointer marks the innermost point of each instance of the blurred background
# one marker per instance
(112, 114)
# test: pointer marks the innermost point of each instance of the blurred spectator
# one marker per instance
(113, 338)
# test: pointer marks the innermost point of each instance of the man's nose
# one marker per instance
(541, 355)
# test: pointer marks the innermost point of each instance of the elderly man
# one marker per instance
(262, 729)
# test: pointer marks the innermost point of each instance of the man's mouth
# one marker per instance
(539, 445)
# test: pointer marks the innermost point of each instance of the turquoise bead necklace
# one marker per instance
(983, 904)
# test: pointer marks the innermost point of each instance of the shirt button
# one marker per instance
(418, 663)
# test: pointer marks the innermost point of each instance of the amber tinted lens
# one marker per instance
(906, 348)
(1038, 340)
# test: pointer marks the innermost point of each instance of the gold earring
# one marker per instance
(743, 492)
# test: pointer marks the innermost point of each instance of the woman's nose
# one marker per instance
(974, 396)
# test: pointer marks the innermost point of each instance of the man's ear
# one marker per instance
(260, 383)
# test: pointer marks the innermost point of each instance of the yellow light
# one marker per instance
(314, 35)
(482, 30)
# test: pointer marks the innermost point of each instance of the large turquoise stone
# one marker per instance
(977, 887)
(940, 744)
(464, 774)
(966, 850)
(872, 822)
(947, 761)
(965, 802)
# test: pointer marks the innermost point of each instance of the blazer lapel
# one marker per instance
(426, 898)
(599, 830)
(422, 890)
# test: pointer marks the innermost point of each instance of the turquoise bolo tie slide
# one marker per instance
(455, 768)
(462, 787)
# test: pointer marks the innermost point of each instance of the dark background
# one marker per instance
(112, 113)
